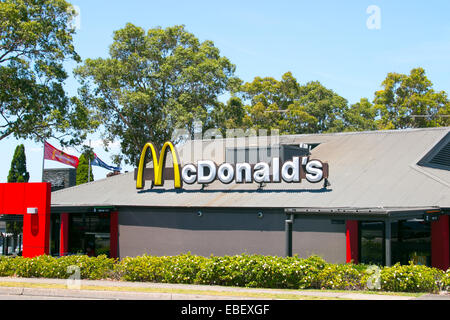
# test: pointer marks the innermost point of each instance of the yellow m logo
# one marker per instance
(159, 165)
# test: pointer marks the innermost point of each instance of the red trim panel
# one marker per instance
(64, 235)
(440, 243)
(114, 234)
(352, 241)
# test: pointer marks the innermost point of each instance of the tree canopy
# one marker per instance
(285, 105)
(157, 81)
(152, 83)
(35, 40)
(409, 101)
(406, 101)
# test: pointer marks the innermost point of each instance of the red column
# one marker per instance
(352, 241)
(64, 235)
(440, 243)
(114, 234)
(18, 198)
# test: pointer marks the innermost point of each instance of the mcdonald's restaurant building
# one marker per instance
(378, 197)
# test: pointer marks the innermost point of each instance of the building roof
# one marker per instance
(366, 170)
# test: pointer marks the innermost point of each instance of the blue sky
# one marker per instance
(328, 41)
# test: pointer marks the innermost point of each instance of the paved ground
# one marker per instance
(28, 288)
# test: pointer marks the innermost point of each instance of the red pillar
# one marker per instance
(64, 235)
(19, 198)
(114, 234)
(440, 243)
(25, 199)
(352, 241)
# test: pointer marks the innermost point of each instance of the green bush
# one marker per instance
(144, 269)
(170, 269)
(51, 267)
(340, 276)
(7, 266)
(410, 278)
(445, 281)
(260, 271)
(183, 268)
(242, 270)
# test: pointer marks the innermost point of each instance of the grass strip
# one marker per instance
(283, 296)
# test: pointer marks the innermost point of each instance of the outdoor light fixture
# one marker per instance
(260, 214)
(199, 213)
(32, 210)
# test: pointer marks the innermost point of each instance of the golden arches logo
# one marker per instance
(159, 163)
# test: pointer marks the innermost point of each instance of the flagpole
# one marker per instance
(43, 160)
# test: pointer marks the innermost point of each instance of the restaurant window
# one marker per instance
(89, 233)
(411, 241)
(371, 245)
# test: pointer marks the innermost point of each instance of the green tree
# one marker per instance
(409, 101)
(35, 40)
(83, 167)
(290, 107)
(152, 83)
(18, 171)
(360, 116)
(326, 106)
(266, 102)
(228, 116)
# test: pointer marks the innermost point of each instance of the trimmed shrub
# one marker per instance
(7, 266)
(445, 281)
(170, 269)
(51, 267)
(239, 270)
(261, 271)
(340, 276)
(143, 268)
(410, 278)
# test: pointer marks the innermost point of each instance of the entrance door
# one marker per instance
(371, 242)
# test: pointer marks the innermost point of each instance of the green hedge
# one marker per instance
(239, 270)
(169, 269)
(411, 278)
(51, 267)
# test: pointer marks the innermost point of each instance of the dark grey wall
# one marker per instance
(319, 237)
(173, 231)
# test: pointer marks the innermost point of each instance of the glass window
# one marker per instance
(371, 247)
(11, 232)
(411, 241)
(55, 234)
(89, 233)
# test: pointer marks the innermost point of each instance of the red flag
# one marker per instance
(51, 153)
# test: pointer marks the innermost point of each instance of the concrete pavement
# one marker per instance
(108, 289)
